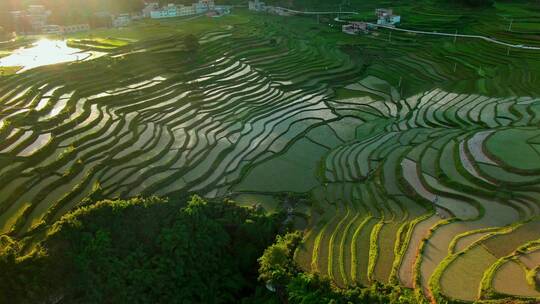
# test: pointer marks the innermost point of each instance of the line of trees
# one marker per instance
(278, 269)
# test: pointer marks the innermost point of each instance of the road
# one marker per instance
(488, 39)
(315, 13)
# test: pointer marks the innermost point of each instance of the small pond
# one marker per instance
(45, 52)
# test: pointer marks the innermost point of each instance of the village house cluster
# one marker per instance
(35, 19)
(385, 17)
(154, 11)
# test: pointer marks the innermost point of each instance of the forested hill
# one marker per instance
(140, 251)
(151, 250)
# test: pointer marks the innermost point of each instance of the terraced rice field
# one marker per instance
(415, 173)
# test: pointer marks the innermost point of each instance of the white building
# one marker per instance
(168, 11)
(147, 10)
(172, 10)
(52, 29)
(204, 6)
(75, 28)
(387, 17)
(223, 9)
(183, 10)
(355, 28)
(121, 20)
(256, 5)
(66, 29)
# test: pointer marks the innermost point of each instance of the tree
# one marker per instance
(6, 20)
(3, 34)
(310, 288)
(191, 43)
(277, 266)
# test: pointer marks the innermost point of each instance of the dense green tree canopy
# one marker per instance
(276, 265)
(141, 251)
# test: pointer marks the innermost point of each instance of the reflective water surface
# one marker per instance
(45, 52)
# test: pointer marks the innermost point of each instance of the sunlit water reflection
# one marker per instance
(46, 52)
